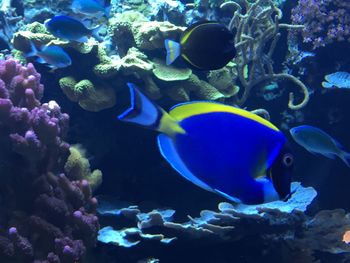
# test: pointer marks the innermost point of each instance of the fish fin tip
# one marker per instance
(172, 51)
(94, 32)
(40, 60)
(231, 198)
(108, 11)
(83, 39)
(329, 155)
(345, 156)
(33, 50)
(327, 85)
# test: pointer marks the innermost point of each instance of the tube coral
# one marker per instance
(257, 31)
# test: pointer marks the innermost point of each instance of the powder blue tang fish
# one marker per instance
(317, 141)
(68, 28)
(338, 79)
(90, 7)
(53, 56)
(222, 149)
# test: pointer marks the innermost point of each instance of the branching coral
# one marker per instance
(44, 215)
(257, 32)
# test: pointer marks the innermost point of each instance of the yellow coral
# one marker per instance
(77, 167)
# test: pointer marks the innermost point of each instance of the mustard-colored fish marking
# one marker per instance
(189, 61)
(172, 53)
(196, 108)
(187, 34)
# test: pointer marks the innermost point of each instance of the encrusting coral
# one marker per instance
(88, 96)
(45, 216)
(278, 223)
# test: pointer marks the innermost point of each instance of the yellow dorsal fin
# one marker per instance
(187, 110)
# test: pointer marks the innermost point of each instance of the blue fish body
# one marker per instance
(222, 149)
(54, 56)
(68, 28)
(90, 7)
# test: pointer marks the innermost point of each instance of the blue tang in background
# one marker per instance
(220, 148)
(68, 28)
(317, 141)
(53, 56)
(90, 7)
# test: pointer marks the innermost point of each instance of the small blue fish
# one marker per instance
(317, 141)
(54, 56)
(90, 7)
(68, 28)
(220, 148)
(338, 79)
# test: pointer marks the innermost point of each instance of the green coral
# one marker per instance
(99, 76)
(88, 96)
(170, 73)
(77, 167)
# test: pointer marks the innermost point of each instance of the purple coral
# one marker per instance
(39, 204)
(325, 21)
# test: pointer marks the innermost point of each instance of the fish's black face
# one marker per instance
(281, 172)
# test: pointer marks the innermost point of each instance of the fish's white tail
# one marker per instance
(147, 114)
(345, 156)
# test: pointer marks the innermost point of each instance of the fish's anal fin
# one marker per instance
(270, 194)
(342, 153)
(83, 39)
(40, 60)
(345, 156)
(173, 50)
(231, 198)
(33, 52)
(329, 155)
(168, 151)
(327, 85)
(94, 32)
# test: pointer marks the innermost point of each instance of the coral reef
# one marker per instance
(45, 215)
(137, 39)
(276, 222)
(325, 21)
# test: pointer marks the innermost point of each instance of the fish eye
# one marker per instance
(288, 160)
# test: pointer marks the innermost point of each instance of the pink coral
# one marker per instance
(325, 21)
(38, 219)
